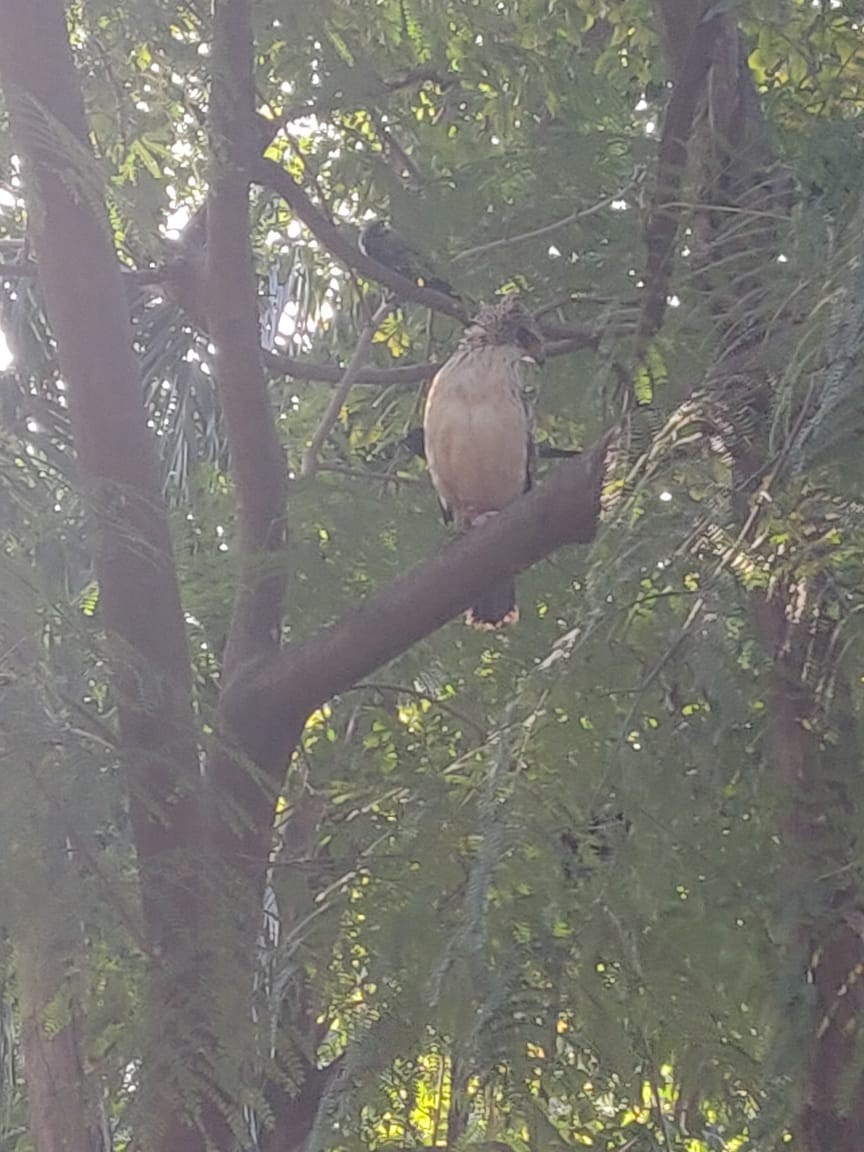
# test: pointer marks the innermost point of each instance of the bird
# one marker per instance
(380, 242)
(478, 433)
(413, 443)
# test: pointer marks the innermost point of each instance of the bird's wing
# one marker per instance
(401, 256)
(531, 449)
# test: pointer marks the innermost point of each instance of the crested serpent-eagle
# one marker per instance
(478, 428)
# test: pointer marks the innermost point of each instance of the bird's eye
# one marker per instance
(526, 337)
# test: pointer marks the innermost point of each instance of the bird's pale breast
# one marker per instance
(476, 432)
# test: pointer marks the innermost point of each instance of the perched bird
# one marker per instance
(477, 430)
(413, 442)
(379, 242)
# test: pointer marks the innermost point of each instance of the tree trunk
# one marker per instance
(735, 168)
(820, 832)
(139, 599)
(56, 1096)
(48, 968)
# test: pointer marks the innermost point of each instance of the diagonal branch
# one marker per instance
(272, 175)
(266, 705)
(545, 230)
(310, 458)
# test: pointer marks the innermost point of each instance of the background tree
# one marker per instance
(594, 882)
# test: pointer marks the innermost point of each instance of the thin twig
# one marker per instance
(381, 88)
(310, 459)
(365, 474)
(586, 298)
(563, 340)
(546, 230)
(417, 694)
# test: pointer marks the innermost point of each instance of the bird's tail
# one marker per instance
(437, 284)
(495, 608)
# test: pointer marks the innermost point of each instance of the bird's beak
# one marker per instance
(537, 355)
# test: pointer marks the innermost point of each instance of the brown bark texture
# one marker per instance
(139, 601)
(827, 925)
(48, 965)
(734, 168)
(52, 1064)
(269, 692)
(86, 305)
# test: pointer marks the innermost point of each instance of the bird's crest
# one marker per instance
(506, 322)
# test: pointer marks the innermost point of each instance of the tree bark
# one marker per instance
(827, 928)
(820, 829)
(139, 599)
(267, 704)
(49, 1007)
(86, 306)
(268, 692)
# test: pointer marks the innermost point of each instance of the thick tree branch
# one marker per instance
(238, 818)
(265, 709)
(234, 820)
(294, 1113)
(820, 828)
(677, 20)
(49, 954)
(230, 299)
(271, 175)
(821, 831)
(663, 218)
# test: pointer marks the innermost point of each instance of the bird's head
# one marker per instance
(509, 322)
